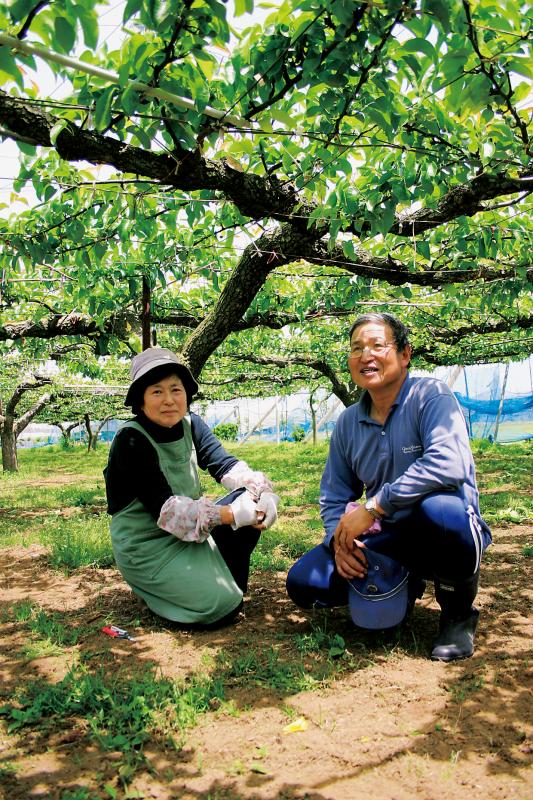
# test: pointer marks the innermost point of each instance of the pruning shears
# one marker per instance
(118, 633)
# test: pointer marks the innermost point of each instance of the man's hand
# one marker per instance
(351, 525)
(350, 564)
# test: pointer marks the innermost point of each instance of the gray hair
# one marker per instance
(400, 331)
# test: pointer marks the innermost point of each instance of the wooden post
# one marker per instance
(456, 371)
(145, 314)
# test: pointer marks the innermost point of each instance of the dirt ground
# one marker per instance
(399, 727)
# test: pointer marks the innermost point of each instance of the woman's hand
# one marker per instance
(267, 506)
(245, 512)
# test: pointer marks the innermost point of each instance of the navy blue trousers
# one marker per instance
(441, 538)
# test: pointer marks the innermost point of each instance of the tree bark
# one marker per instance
(9, 446)
(93, 435)
(12, 427)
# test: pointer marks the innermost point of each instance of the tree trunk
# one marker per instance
(13, 427)
(9, 445)
(313, 415)
(66, 431)
(91, 437)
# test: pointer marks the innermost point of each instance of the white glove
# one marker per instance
(268, 504)
(240, 475)
(244, 510)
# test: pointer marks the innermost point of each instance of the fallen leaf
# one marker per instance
(299, 724)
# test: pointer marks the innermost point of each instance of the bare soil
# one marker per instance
(400, 726)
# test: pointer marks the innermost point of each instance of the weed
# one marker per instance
(319, 638)
(45, 626)
(467, 685)
(528, 551)
(79, 542)
(120, 712)
(8, 771)
(78, 794)
(265, 667)
(22, 611)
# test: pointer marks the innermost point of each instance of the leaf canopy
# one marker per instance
(268, 174)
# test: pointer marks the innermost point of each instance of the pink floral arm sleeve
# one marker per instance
(240, 475)
(189, 520)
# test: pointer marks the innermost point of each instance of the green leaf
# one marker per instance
(424, 249)
(420, 46)
(57, 128)
(9, 67)
(440, 9)
(522, 66)
(129, 100)
(102, 111)
(243, 7)
(89, 26)
(27, 149)
(21, 8)
(65, 34)
(132, 7)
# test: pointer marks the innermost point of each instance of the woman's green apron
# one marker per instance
(181, 581)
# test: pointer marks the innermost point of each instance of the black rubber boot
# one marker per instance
(458, 619)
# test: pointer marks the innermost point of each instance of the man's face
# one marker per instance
(165, 402)
(374, 360)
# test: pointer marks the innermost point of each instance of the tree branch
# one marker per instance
(256, 196)
(31, 16)
(20, 390)
(24, 420)
(346, 395)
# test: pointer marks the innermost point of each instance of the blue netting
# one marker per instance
(497, 400)
(513, 405)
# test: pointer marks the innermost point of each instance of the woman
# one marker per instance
(186, 556)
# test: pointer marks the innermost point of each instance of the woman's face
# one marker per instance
(165, 402)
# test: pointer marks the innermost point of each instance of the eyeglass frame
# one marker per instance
(370, 348)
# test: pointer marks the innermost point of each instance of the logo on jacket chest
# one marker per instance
(412, 448)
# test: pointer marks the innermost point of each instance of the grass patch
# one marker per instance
(78, 542)
(49, 636)
(58, 499)
(505, 481)
(118, 712)
(123, 712)
(51, 481)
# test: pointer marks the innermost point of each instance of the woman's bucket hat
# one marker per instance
(150, 359)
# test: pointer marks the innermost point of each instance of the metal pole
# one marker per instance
(258, 423)
(324, 419)
(500, 407)
(112, 77)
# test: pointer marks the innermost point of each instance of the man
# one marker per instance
(406, 444)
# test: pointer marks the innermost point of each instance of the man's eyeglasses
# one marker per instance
(376, 349)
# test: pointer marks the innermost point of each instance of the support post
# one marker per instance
(259, 422)
(145, 314)
(500, 407)
(324, 419)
